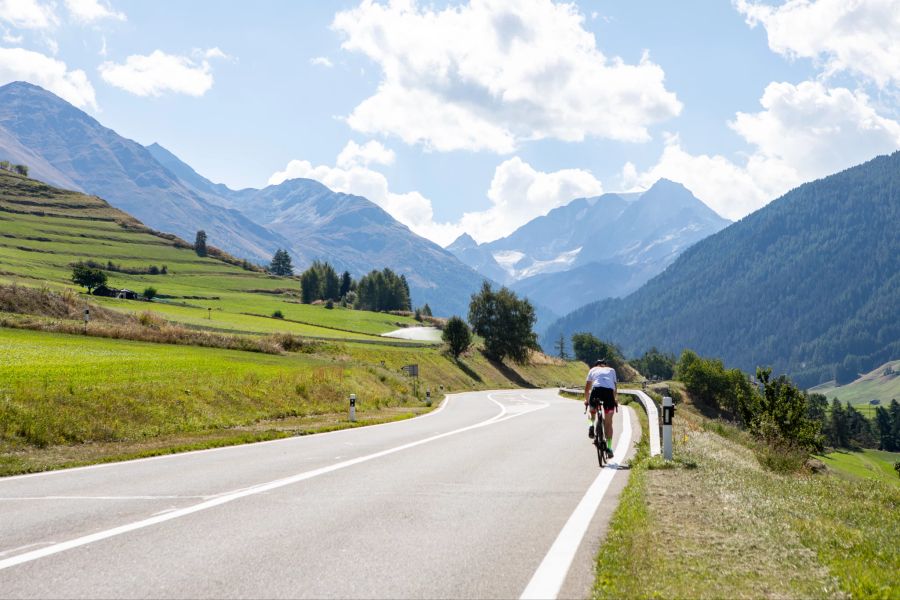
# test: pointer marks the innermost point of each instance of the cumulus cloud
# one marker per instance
(90, 11)
(159, 73)
(490, 73)
(321, 61)
(18, 64)
(371, 152)
(28, 14)
(518, 193)
(804, 132)
(858, 36)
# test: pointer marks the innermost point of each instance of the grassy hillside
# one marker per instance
(45, 230)
(72, 399)
(722, 526)
(864, 464)
(882, 383)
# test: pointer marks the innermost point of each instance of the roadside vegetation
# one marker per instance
(717, 523)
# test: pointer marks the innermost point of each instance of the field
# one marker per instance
(873, 385)
(45, 230)
(725, 527)
(71, 399)
(865, 464)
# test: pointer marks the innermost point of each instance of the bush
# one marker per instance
(329, 304)
(277, 315)
(457, 336)
(588, 349)
(150, 293)
(87, 277)
(505, 322)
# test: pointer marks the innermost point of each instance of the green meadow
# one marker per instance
(881, 384)
(52, 229)
(864, 464)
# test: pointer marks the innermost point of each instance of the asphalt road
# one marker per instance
(493, 495)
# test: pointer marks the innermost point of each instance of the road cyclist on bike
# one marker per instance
(601, 388)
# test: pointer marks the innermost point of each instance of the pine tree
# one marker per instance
(560, 346)
(281, 264)
(200, 243)
(346, 283)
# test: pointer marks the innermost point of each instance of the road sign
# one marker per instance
(411, 370)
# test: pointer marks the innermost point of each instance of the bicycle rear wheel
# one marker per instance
(600, 441)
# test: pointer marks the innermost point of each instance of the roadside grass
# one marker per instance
(864, 464)
(719, 525)
(71, 399)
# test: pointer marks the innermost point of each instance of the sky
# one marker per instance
(478, 116)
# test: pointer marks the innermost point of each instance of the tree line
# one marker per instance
(776, 410)
(18, 169)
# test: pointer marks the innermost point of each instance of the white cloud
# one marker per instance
(159, 73)
(411, 208)
(321, 61)
(804, 132)
(490, 73)
(28, 14)
(9, 38)
(18, 64)
(518, 193)
(371, 152)
(89, 11)
(858, 36)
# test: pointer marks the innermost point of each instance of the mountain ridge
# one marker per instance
(67, 147)
(625, 238)
(785, 286)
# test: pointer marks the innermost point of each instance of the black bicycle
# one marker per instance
(599, 436)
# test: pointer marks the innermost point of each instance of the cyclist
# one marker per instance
(601, 388)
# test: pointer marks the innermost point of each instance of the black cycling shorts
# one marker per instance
(604, 396)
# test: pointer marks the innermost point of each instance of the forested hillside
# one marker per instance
(809, 284)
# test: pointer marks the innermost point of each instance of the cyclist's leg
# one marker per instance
(591, 428)
(608, 427)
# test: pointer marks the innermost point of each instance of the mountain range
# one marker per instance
(67, 148)
(809, 284)
(594, 248)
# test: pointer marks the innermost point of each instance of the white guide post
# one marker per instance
(668, 411)
(352, 408)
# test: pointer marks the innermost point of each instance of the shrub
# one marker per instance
(329, 304)
(278, 314)
(457, 335)
(505, 322)
(150, 293)
(87, 277)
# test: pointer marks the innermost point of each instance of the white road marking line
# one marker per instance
(222, 449)
(11, 550)
(32, 498)
(256, 489)
(551, 574)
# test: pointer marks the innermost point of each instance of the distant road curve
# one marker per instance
(495, 494)
(422, 334)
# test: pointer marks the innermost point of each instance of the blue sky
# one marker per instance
(478, 116)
